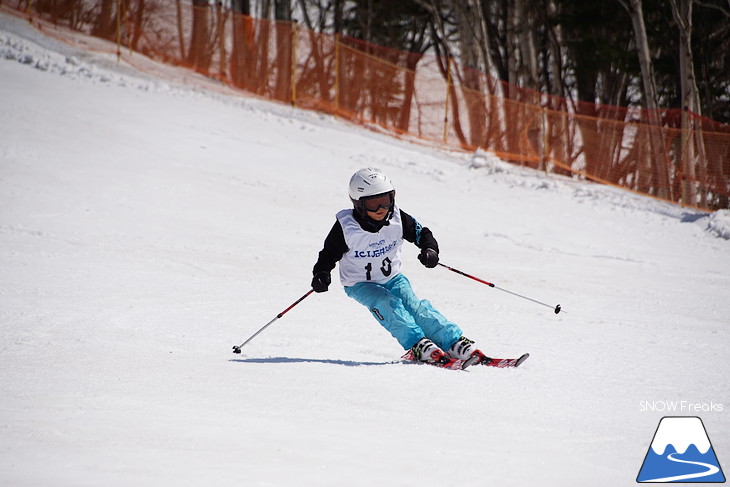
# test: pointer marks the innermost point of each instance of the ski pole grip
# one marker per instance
(466, 275)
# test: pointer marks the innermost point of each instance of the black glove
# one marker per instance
(429, 257)
(321, 282)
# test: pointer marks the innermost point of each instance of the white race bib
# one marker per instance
(372, 257)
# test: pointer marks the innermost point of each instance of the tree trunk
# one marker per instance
(242, 7)
(472, 62)
(513, 47)
(138, 26)
(658, 150)
(693, 149)
(242, 55)
(284, 40)
(198, 54)
(339, 6)
(105, 24)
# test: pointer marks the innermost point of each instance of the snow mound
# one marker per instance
(481, 159)
(27, 52)
(719, 224)
(70, 62)
(490, 165)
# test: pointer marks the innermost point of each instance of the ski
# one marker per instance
(503, 362)
(446, 363)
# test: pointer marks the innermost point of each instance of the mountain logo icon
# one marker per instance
(681, 452)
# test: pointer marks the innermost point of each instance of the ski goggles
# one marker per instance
(374, 203)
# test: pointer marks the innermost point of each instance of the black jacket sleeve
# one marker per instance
(334, 248)
(415, 233)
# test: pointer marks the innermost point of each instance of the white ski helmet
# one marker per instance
(369, 182)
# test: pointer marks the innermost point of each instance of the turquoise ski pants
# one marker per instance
(399, 311)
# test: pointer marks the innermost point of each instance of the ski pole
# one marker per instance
(557, 308)
(237, 348)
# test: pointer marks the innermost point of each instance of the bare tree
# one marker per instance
(198, 54)
(104, 25)
(522, 52)
(693, 152)
(285, 38)
(658, 150)
(242, 62)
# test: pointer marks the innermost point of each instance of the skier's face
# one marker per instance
(379, 214)
(374, 203)
(378, 206)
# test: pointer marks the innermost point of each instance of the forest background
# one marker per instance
(649, 53)
(634, 93)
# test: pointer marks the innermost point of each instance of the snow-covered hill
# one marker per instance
(146, 228)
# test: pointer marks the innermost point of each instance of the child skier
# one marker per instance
(366, 241)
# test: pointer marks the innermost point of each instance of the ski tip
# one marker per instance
(522, 359)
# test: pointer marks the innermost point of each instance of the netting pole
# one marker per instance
(119, 31)
(687, 157)
(448, 95)
(294, 65)
(130, 34)
(181, 43)
(545, 139)
(222, 43)
(337, 71)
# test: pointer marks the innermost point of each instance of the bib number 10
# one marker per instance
(386, 269)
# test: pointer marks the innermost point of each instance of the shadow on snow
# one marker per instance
(292, 360)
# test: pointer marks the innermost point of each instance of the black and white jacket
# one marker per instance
(383, 252)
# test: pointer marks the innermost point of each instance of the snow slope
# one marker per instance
(146, 228)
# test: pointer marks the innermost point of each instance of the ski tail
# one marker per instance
(445, 363)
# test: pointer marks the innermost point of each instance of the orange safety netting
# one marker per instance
(429, 97)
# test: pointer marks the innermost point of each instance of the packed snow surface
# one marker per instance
(147, 227)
